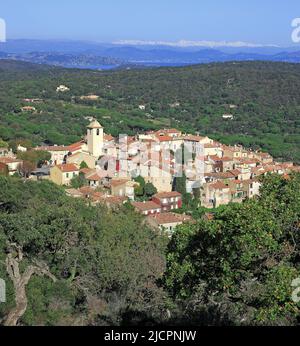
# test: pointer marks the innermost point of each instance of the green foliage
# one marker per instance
(106, 262)
(83, 165)
(140, 180)
(13, 144)
(144, 191)
(50, 303)
(245, 259)
(79, 181)
(235, 269)
(180, 184)
(3, 144)
(36, 157)
(150, 190)
(139, 191)
(4, 171)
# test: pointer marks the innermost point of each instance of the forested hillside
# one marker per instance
(264, 99)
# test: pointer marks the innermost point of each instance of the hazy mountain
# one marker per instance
(102, 55)
(66, 60)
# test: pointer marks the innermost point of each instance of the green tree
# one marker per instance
(83, 165)
(139, 191)
(150, 190)
(35, 157)
(3, 144)
(180, 184)
(140, 180)
(244, 260)
(79, 181)
(63, 263)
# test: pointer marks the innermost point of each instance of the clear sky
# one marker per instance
(257, 21)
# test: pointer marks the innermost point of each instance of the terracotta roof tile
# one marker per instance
(219, 186)
(168, 194)
(68, 167)
(145, 206)
(9, 160)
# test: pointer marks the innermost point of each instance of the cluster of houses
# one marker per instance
(220, 174)
(9, 164)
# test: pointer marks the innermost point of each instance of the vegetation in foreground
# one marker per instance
(68, 263)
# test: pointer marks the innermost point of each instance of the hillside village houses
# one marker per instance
(9, 165)
(220, 174)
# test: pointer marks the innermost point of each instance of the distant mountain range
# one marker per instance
(73, 54)
(66, 60)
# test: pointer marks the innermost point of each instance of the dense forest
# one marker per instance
(68, 263)
(263, 97)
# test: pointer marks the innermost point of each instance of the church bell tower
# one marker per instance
(95, 139)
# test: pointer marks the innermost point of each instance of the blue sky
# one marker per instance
(257, 21)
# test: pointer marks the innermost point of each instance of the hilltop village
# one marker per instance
(111, 171)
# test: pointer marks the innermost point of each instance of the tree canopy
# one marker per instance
(85, 263)
(242, 263)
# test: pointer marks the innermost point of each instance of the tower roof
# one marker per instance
(94, 125)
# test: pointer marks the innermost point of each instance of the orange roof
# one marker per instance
(212, 145)
(225, 158)
(117, 182)
(219, 186)
(172, 131)
(86, 190)
(235, 172)
(94, 177)
(72, 147)
(248, 161)
(251, 181)
(219, 175)
(193, 138)
(68, 167)
(164, 138)
(85, 170)
(9, 160)
(145, 206)
(108, 138)
(214, 157)
(77, 144)
(96, 196)
(168, 194)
